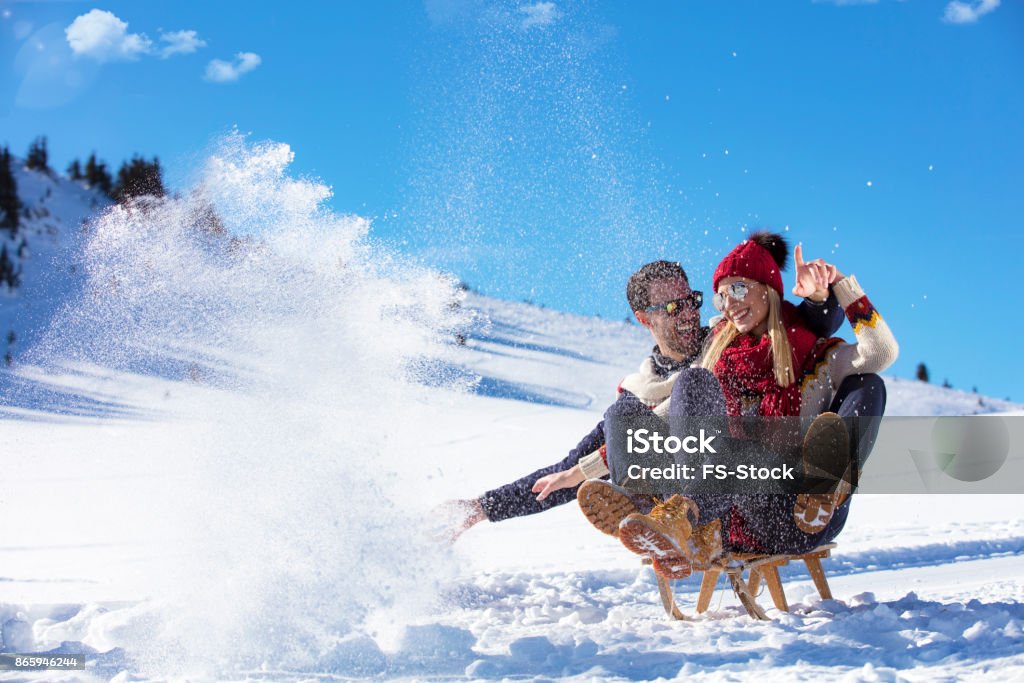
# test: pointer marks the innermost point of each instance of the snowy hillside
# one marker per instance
(581, 344)
(926, 587)
(265, 515)
(54, 211)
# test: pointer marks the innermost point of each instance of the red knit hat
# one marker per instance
(749, 259)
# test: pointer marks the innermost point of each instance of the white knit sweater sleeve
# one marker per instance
(593, 466)
(876, 347)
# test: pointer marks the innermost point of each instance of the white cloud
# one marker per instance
(101, 35)
(180, 43)
(219, 71)
(539, 14)
(968, 12)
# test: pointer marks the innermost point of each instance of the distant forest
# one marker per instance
(135, 178)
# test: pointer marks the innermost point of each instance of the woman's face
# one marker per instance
(749, 314)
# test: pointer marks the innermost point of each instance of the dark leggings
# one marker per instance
(768, 518)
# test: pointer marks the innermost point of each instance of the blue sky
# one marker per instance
(544, 150)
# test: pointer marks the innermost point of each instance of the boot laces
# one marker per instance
(673, 511)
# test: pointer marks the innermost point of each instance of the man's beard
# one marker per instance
(683, 343)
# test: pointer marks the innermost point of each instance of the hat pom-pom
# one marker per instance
(775, 244)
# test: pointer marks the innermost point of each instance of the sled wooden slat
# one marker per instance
(754, 581)
(818, 575)
(707, 589)
(774, 582)
(668, 602)
(758, 568)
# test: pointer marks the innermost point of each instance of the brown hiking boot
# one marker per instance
(605, 505)
(826, 453)
(707, 539)
(708, 542)
(827, 469)
(813, 511)
(667, 533)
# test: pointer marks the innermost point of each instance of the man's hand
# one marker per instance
(813, 278)
(453, 518)
(550, 483)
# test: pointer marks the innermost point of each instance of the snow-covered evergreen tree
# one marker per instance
(9, 203)
(38, 158)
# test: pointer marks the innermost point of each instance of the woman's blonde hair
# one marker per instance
(782, 353)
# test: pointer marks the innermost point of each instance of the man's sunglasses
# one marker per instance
(737, 290)
(692, 300)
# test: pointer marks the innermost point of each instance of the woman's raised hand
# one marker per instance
(813, 277)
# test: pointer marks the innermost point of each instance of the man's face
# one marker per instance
(677, 335)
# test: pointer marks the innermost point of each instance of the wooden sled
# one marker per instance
(757, 567)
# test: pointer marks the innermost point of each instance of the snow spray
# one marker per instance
(289, 347)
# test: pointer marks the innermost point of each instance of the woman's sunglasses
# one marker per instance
(692, 300)
(737, 290)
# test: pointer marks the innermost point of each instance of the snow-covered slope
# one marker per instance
(926, 587)
(272, 527)
(54, 212)
(576, 361)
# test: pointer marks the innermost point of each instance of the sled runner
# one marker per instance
(758, 568)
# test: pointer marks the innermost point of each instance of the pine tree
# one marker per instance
(9, 275)
(137, 178)
(38, 158)
(9, 202)
(922, 372)
(97, 176)
(75, 170)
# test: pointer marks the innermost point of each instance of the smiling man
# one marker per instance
(660, 297)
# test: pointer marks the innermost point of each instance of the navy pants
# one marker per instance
(517, 499)
(862, 395)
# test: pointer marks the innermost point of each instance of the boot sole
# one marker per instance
(826, 452)
(672, 568)
(813, 511)
(604, 506)
(641, 539)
